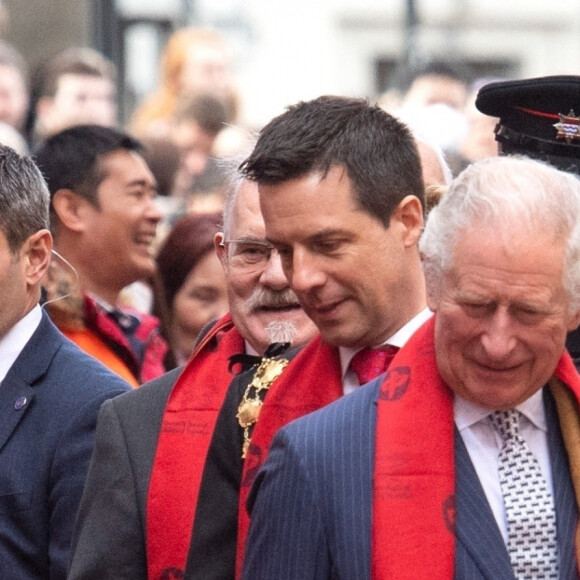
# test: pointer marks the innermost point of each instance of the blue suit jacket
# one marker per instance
(49, 402)
(311, 502)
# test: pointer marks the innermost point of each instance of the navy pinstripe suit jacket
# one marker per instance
(311, 502)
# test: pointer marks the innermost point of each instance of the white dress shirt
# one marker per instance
(349, 379)
(484, 443)
(12, 343)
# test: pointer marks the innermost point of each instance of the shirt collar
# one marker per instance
(398, 339)
(467, 414)
(12, 343)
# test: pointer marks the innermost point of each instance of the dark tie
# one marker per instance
(529, 507)
(369, 363)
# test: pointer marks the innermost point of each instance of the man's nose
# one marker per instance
(498, 338)
(273, 274)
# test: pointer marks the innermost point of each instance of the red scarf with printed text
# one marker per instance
(186, 431)
(414, 477)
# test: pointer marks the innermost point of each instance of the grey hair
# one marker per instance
(501, 192)
(281, 331)
(24, 198)
(439, 155)
(230, 165)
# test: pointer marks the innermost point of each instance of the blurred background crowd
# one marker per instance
(194, 80)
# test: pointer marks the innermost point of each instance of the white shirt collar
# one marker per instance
(12, 343)
(398, 339)
(467, 414)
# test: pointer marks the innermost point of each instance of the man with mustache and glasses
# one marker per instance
(161, 500)
(109, 543)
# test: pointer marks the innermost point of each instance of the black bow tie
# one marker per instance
(247, 361)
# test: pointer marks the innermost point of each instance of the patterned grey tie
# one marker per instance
(529, 507)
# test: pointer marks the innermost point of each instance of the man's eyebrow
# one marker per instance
(320, 235)
(142, 183)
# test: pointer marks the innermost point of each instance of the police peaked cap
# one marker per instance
(538, 117)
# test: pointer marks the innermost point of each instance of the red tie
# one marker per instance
(369, 363)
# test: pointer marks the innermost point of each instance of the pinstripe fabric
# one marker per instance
(479, 547)
(311, 519)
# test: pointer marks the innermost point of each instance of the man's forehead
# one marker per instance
(247, 217)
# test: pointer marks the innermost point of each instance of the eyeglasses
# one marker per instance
(248, 254)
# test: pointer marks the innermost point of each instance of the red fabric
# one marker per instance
(414, 475)
(369, 363)
(186, 431)
(147, 333)
(312, 380)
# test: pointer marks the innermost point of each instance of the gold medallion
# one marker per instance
(248, 412)
(249, 409)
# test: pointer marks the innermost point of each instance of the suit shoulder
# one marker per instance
(81, 371)
(149, 395)
(342, 414)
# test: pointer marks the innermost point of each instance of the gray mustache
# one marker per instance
(264, 298)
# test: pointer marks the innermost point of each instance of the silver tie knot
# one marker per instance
(507, 424)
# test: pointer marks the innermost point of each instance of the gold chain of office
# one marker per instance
(249, 409)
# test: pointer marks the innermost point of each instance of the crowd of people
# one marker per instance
(341, 345)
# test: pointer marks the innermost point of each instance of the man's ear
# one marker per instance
(37, 249)
(220, 249)
(68, 207)
(574, 322)
(409, 213)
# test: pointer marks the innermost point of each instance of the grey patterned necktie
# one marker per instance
(529, 507)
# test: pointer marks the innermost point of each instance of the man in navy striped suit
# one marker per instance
(405, 478)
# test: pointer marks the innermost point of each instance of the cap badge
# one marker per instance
(568, 127)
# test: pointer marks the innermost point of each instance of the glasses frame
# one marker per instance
(249, 265)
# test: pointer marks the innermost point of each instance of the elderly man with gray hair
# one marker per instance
(462, 461)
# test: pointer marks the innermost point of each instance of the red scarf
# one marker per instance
(414, 476)
(186, 431)
(312, 380)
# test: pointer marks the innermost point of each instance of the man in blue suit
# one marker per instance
(50, 392)
(406, 477)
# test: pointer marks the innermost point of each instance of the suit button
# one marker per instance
(20, 402)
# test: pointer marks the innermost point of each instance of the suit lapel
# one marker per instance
(479, 544)
(17, 389)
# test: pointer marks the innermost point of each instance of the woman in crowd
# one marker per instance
(191, 283)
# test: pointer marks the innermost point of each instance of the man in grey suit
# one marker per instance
(359, 298)
(425, 474)
(117, 531)
(50, 391)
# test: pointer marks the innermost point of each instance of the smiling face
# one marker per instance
(117, 236)
(502, 317)
(358, 280)
(259, 295)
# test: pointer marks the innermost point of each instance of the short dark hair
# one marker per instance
(70, 159)
(24, 198)
(81, 61)
(377, 151)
